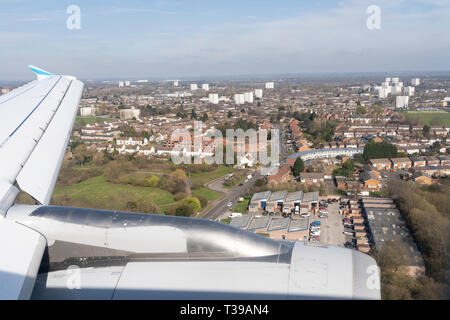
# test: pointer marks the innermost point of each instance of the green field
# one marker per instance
(427, 117)
(97, 189)
(82, 121)
(209, 194)
(205, 177)
(242, 207)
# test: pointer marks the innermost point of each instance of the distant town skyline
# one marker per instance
(180, 39)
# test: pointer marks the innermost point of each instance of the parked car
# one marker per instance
(349, 233)
(314, 239)
(229, 204)
(304, 215)
(323, 216)
(316, 223)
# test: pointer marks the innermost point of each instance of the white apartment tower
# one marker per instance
(213, 98)
(415, 81)
(239, 98)
(408, 91)
(258, 93)
(194, 86)
(401, 102)
(205, 87)
(248, 97)
(270, 85)
(121, 84)
(175, 83)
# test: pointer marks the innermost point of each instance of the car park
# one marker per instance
(304, 215)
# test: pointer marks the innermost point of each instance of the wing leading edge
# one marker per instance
(35, 126)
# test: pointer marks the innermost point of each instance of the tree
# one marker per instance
(153, 181)
(348, 165)
(299, 166)
(426, 130)
(361, 110)
(81, 154)
(203, 201)
(193, 202)
(259, 182)
(184, 210)
(193, 114)
(205, 117)
(436, 147)
(375, 150)
(229, 114)
(391, 256)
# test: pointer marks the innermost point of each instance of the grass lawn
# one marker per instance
(209, 194)
(205, 177)
(426, 117)
(82, 121)
(98, 189)
(242, 207)
(226, 221)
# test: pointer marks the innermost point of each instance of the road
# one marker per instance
(233, 197)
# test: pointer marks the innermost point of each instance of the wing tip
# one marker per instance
(40, 73)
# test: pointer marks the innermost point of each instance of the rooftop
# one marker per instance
(259, 223)
(278, 224)
(261, 196)
(311, 196)
(299, 224)
(294, 196)
(278, 195)
(240, 222)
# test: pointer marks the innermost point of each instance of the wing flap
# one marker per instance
(21, 252)
(39, 174)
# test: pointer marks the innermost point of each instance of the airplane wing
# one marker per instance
(35, 127)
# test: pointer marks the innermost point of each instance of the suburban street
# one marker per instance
(232, 196)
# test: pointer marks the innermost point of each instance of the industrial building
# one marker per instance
(274, 227)
(385, 223)
(283, 201)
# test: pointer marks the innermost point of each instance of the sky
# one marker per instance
(206, 38)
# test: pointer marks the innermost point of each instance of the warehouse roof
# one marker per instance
(299, 224)
(278, 224)
(294, 196)
(388, 224)
(259, 223)
(261, 196)
(311, 196)
(278, 196)
(240, 222)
